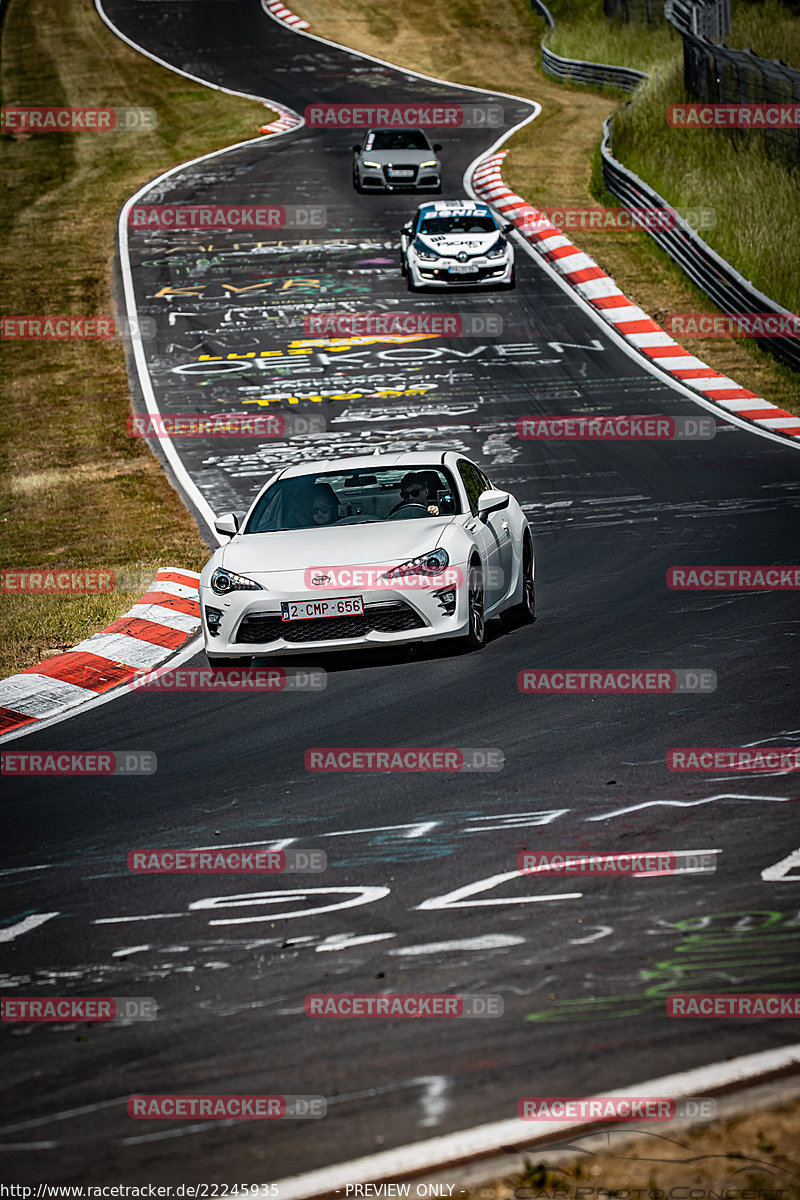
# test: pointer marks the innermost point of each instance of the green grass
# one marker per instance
(756, 198)
(769, 28)
(75, 490)
(591, 36)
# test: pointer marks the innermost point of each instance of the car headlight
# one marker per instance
(223, 581)
(498, 249)
(424, 252)
(364, 163)
(432, 563)
(430, 163)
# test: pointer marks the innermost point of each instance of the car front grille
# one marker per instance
(261, 628)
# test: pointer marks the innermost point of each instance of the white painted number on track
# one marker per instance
(779, 871)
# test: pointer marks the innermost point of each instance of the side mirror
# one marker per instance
(509, 227)
(437, 145)
(227, 524)
(406, 229)
(357, 149)
(493, 501)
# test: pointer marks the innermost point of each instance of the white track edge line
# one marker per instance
(450, 1149)
(140, 359)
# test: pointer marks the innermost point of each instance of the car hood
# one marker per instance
(398, 158)
(264, 554)
(451, 244)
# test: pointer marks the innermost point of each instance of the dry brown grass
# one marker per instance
(76, 491)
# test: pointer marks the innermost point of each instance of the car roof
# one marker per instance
(456, 206)
(367, 462)
(396, 129)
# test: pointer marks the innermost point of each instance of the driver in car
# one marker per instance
(414, 489)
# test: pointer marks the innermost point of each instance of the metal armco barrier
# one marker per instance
(577, 71)
(729, 290)
(591, 73)
(721, 75)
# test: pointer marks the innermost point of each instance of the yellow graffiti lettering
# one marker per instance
(173, 291)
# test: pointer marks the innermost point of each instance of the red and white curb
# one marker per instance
(163, 621)
(279, 10)
(601, 292)
(286, 120)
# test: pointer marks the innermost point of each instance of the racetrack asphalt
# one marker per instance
(583, 965)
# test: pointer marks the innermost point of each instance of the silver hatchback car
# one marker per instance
(389, 160)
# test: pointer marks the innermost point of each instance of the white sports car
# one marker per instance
(377, 550)
(456, 242)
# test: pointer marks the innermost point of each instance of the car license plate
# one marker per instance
(310, 610)
(400, 173)
(463, 269)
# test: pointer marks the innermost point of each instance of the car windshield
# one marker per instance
(456, 223)
(397, 139)
(355, 497)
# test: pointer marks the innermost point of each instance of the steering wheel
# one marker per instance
(395, 513)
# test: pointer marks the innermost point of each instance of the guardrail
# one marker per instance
(591, 73)
(576, 70)
(729, 290)
(720, 74)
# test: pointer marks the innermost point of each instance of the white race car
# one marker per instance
(456, 242)
(377, 550)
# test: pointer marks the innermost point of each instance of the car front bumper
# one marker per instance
(251, 624)
(488, 273)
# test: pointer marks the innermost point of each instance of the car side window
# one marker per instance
(474, 482)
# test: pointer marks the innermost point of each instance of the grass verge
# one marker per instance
(75, 490)
(553, 161)
(753, 1155)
